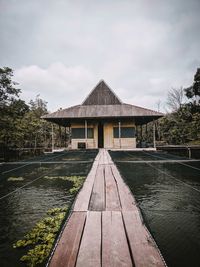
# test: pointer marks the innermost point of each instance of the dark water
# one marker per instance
(168, 195)
(20, 210)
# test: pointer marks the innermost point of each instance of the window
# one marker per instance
(90, 133)
(126, 132)
(79, 133)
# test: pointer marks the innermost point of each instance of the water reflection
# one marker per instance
(169, 198)
(22, 209)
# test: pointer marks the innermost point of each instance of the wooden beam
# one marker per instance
(143, 248)
(112, 196)
(97, 201)
(115, 250)
(90, 249)
(67, 249)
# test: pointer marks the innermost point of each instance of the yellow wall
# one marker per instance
(109, 141)
(91, 143)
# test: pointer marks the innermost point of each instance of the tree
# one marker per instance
(36, 131)
(11, 107)
(175, 98)
(8, 92)
(193, 92)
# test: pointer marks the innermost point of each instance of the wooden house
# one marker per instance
(103, 120)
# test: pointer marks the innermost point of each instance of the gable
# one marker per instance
(102, 95)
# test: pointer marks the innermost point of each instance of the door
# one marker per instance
(100, 135)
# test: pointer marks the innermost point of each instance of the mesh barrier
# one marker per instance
(168, 194)
(185, 151)
(29, 188)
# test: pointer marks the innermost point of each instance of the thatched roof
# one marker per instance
(102, 103)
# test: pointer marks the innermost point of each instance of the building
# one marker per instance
(103, 120)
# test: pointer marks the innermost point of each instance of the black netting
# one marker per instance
(168, 194)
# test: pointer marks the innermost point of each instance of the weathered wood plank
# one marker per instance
(90, 249)
(115, 251)
(109, 158)
(101, 156)
(143, 248)
(112, 196)
(97, 201)
(67, 249)
(83, 198)
(105, 153)
(126, 198)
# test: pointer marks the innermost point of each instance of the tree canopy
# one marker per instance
(21, 126)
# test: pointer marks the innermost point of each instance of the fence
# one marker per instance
(185, 151)
(12, 154)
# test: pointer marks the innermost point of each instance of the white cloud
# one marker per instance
(61, 49)
(59, 85)
(63, 86)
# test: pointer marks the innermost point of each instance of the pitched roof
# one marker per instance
(102, 94)
(103, 111)
(102, 103)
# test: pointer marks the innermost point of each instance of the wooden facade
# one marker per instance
(103, 120)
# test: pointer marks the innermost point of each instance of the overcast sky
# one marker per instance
(61, 49)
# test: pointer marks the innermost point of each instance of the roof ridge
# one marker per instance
(112, 91)
(96, 87)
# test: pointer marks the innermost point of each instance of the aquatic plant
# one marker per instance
(76, 180)
(41, 238)
(13, 179)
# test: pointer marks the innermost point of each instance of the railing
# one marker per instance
(185, 151)
(12, 154)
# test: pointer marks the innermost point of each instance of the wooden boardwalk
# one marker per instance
(105, 227)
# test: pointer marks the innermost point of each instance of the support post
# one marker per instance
(65, 142)
(154, 135)
(60, 136)
(119, 134)
(86, 134)
(52, 136)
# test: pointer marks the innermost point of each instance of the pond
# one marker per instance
(29, 189)
(168, 195)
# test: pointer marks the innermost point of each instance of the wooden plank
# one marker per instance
(109, 158)
(90, 248)
(97, 201)
(115, 251)
(105, 156)
(143, 248)
(126, 198)
(112, 196)
(67, 249)
(101, 158)
(83, 198)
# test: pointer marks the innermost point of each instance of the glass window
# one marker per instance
(79, 133)
(126, 132)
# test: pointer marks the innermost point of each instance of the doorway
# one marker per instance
(100, 135)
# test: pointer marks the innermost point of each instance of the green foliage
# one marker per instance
(181, 127)
(12, 108)
(41, 238)
(8, 92)
(76, 180)
(193, 92)
(14, 179)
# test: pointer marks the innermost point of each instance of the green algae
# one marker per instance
(76, 180)
(15, 179)
(41, 238)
